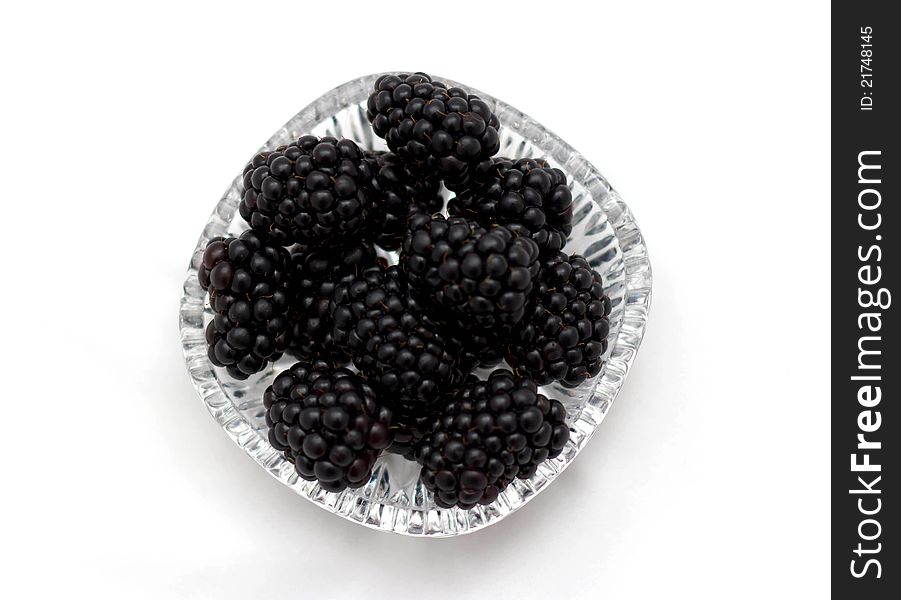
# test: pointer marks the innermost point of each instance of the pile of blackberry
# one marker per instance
(390, 297)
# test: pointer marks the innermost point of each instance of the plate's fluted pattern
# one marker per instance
(393, 500)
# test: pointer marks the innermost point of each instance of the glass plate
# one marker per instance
(394, 500)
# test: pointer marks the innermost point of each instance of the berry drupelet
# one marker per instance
(249, 289)
(425, 122)
(313, 192)
(525, 195)
(399, 191)
(314, 275)
(491, 432)
(483, 276)
(407, 363)
(328, 422)
(564, 335)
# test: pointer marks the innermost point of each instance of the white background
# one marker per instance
(122, 124)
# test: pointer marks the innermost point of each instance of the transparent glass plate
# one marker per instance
(394, 500)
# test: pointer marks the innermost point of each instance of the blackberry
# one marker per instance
(472, 348)
(399, 191)
(328, 422)
(313, 191)
(249, 290)
(446, 129)
(564, 335)
(492, 432)
(314, 276)
(478, 349)
(406, 362)
(525, 195)
(483, 276)
(481, 349)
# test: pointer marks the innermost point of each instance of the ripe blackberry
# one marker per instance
(490, 433)
(328, 422)
(407, 363)
(527, 196)
(477, 349)
(249, 289)
(472, 348)
(314, 275)
(313, 191)
(399, 191)
(564, 334)
(426, 122)
(483, 276)
(483, 350)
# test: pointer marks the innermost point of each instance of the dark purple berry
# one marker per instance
(314, 276)
(491, 432)
(328, 422)
(435, 127)
(249, 285)
(483, 276)
(564, 334)
(314, 191)
(527, 196)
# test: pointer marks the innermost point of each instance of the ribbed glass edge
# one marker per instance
(434, 522)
